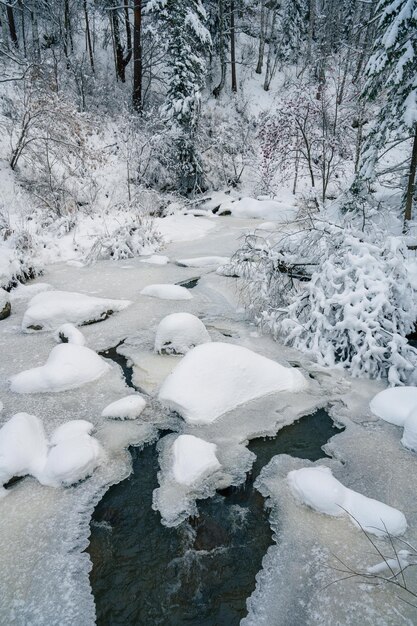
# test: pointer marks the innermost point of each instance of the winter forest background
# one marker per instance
(111, 115)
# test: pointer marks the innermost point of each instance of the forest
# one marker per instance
(208, 312)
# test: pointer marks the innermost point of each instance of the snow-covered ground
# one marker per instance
(44, 579)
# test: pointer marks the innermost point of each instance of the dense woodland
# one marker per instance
(178, 99)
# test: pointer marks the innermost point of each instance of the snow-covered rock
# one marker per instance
(67, 367)
(167, 292)
(194, 459)
(179, 332)
(317, 488)
(204, 261)
(50, 309)
(23, 448)
(5, 306)
(183, 227)
(390, 566)
(409, 438)
(216, 377)
(395, 404)
(71, 429)
(156, 259)
(128, 408)
(68, 333)
(71, 460)
(250, 208)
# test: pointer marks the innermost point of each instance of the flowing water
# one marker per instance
(201, 572)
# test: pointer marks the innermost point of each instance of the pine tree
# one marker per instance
(391, 77)
(187, 41)
(294, 25)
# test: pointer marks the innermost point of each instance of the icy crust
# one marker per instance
(298, 577)
(50, 309)
(193, 468)
(166, 292)
(225, 376)
(179, 332)
(204, 261)
(319, 489)
(68, 366)
(394, 404)
(128, 408)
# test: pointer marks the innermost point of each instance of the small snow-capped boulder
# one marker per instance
(68, 333)
(409, 439)
(71, 429)
(71, 460)
(68, 366)
(166, 292)
(156, 259)
(395, 404)
(5, 306)
(214, 378)
(204, 261)
(194, 458)
(179, 332)
(50, 309)
(128, 408)
(23, 447)
(317, 488)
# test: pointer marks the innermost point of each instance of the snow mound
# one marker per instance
(395, 404)
(179, 332)
(128, 408)
(50, 309)
(68, 333)
(319, 489)
(71, 429)
(156, 259)
(250, 208)
(68, 366)
(204, 261)
(194, 458)
(23, 448)
(71, 460)
(216, 377)
(409, 439)
(167, 292)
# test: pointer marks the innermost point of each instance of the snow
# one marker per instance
(156, 259)
(71, 429)
(390, 566)
(204, 261)
(67, 367)
(183, 227)
(395, 404)
(129, 408)
(23, 448)
(250, 208)
(179, 332)
(24, 292)
(68, 333)
(409, 438)
(194, 458)
(166, 292)
(71, 460)
(317, 488)
(50, 309)
(214, 378)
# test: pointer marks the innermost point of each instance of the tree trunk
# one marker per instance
(232, 45)
(311, 26)
(120, 59)
(12, 26)
(88, 36)
(35, 34)
(23, 25)
(137, 56)
(261, 50)
(269, 61)
(222, 52)
(411, 182)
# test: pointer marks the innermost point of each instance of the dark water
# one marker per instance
(190, 283)
(201, 572)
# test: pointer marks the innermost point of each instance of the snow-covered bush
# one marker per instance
(136, 237)
(354, 312)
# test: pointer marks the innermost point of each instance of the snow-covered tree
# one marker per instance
(391, 78)
(182, 23)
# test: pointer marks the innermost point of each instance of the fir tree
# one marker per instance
(187, 41)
